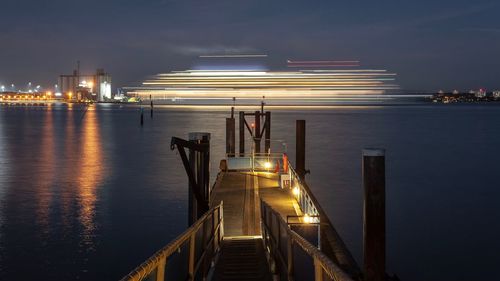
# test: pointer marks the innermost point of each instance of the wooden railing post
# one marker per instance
(278, 238)
(318, 270)
(160, 270)
(204, 249)
(214, 243)
(290, 258)
(374, 214)
(221, 222)
(272, 241)
(192, 254)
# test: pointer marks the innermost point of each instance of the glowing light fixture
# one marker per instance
(307, 219)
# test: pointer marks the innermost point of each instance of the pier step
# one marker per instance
(242, 259)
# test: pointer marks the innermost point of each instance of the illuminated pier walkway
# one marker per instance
(241, 193)
(260, 220)
(242, 253)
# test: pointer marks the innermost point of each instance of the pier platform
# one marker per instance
(241, 193)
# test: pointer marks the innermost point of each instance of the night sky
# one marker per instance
(431, 45)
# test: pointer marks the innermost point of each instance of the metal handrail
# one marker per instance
(304, 197)
(267, 162)
(283, 259)
(332, 243)
(155, 265)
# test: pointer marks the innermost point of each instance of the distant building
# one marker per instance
(481, 93)
(496, 94)
(79, 87)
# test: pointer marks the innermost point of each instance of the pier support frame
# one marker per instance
(197, 169)
(257, 132)
(200, 162)
(374, 214)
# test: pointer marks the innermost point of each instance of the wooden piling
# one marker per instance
(151, 109)
(374, 214)
(242, 133)
(262, 104)
(268, 132)
(300, 148)
(142, 116)
(230, 137)
(257, 136)
(199, 162)
(232, 107)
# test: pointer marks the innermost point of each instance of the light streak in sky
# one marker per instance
(234, 56)
(322, 63)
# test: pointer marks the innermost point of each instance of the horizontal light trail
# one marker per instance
(322, 63)
(235, 56)
(252, 84)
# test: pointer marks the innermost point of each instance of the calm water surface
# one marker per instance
(88, 195)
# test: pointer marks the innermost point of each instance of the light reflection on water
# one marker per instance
(90, 194)
(4, 171)
(90, 170)
(46, 172)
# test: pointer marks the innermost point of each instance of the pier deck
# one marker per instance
(241, 193)
(242, 250)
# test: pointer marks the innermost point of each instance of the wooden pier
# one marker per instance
(260, 220)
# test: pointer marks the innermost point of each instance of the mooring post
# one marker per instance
(374, 214)
(232, 107)
(230, 137)
(262, 104)
(268, 132)
(242, 133)
(142, 116)
(199, 162)
(257, 135)
(151, 106)
(300, 148)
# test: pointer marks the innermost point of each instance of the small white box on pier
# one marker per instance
(285, 180)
